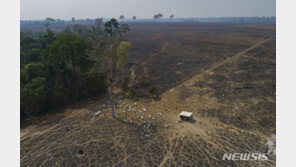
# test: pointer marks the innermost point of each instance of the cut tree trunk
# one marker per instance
(110, 91)
(111, 102)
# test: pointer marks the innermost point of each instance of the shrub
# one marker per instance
(131, 93)
(152, 90)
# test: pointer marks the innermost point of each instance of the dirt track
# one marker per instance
(78, 137)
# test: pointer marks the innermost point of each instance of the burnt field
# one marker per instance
(246, 87)
(76, 141)
(225, 74)
(166, 54)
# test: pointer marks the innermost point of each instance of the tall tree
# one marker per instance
(134, 17)
(157, 16)
(71, 49)
(112, 53)
(50, 19)
(56, 70)
(66, 60)
(97, 27)
(121, 17)
(46, 25)
(27, 44)
(33, 89)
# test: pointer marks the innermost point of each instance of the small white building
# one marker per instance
(185, 115)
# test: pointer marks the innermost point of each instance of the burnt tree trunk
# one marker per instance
(110, 91)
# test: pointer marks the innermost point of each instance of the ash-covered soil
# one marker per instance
(77, 141)
(246, 89)
(232, 100)
(167, 54)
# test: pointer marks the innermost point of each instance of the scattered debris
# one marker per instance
(182, 137)
(97, 113)
(158, 114)
(167, 126)
(179, 120)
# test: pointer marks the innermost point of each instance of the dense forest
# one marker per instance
(59, 25)
(61, 68)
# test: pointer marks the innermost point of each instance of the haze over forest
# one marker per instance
(66, 9)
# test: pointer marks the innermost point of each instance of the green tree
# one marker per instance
(121, 17)
(111, 27)
(66, 61)
(97, 27)
(56, 70)
(112, 54)
(157, 16)
(33, 96)
(47, 38)
(69, 49)
(26, 46)
(33, 89)
(32, 70)
(95, 79)
(152, 90)
(122, 53)
(47, 22)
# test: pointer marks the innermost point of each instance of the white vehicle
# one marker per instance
(186, 116)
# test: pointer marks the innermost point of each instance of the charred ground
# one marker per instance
(166, 54)
(223, 73)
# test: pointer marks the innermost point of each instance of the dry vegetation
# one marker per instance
(166, 54)
(223, 73)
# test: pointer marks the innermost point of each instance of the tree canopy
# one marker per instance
(56, 70)
(79, 62)
(157, 16)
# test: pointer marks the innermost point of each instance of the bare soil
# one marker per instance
(232, 98)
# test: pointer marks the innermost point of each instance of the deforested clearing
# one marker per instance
(223, 73)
